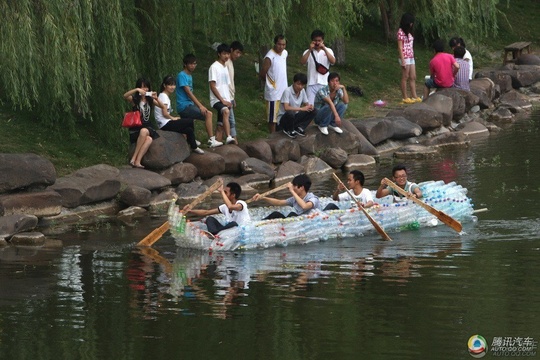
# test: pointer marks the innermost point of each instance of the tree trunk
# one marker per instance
(385, 20)
(339, 50)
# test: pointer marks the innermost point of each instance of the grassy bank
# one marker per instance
(371, 64)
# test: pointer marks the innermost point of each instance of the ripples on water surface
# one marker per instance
(420, 296)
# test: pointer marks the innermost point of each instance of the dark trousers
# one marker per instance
(331, 206)
(290, 121)
(215, 226)
(278, 215)
(182, 126)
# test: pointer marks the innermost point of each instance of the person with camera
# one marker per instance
(142, 98)
(318, 59)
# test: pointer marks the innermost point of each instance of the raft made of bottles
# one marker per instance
(348, 221)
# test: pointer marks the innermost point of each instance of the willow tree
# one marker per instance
(473, 19)
(256, 22)
(70, 61)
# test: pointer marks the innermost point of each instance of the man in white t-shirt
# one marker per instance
(220, 96)
(324, 56)
(237, 49)
(235, 211)
(355, 182)
(295, 113)
(274, 74)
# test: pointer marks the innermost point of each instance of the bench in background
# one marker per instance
(516, 49)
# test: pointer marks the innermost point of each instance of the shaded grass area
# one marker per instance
(371, 63)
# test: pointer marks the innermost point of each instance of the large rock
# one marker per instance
(88, 185)
(403, 128)
(208, 165)
(473, 129)
(287, 171)
(18, 171)
(253, 179)
(357, 161)
(415, 152)
(444, 105)
(376, 130)
(528, 59)
(188, 192)
(135, 196)
(42, 203)
(180, 173)
(13, 224)
(515, 101)
(459, 107)
(484, 88)
(335, 157)
(255, 166)
(170, 148)
(233, 156)
(143, 178)
(525, 76)
(352, 140)
(500, 78)
(81, 215)
(314, 165)
(452, 138)
(501, 115)
(421, 114)
(28, 239)
(258, 149)
(283, 148)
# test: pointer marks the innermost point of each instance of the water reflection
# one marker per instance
(420, 296)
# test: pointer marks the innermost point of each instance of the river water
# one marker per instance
(421, 296)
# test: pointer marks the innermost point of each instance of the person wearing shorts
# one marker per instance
(443, 69)
(274, 74)
(220, 96)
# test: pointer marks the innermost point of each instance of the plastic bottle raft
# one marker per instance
(325, 225)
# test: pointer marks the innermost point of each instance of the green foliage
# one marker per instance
(68, 62)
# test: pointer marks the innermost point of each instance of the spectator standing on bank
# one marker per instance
(274, 74)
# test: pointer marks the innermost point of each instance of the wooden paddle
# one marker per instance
(443, 217)
(280, 187)
(377, 227)
(156, 234)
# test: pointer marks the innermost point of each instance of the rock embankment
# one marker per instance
(33, 199)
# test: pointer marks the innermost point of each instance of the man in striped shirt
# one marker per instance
(461, 80)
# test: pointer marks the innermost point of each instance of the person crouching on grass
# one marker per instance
(235, 211)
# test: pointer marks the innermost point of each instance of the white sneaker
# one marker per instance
(323, 129)
(336, 129)
(198, 150)
(198, 142)
(230, 140)
(213, 142)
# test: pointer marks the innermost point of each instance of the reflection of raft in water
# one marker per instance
(348, 221)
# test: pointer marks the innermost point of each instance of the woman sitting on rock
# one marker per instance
(142, 99)
(168, 122)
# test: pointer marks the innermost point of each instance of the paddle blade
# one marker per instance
(155, 235)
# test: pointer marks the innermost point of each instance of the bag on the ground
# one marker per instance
(321, 69)
(132, 119)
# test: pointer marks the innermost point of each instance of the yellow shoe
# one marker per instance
(408, 101)
(418, 99)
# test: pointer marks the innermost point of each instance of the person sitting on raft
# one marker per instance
(235, 211)
(399, 173)
(355, 182)
(303, 201)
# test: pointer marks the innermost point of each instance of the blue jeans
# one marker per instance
(325, 116)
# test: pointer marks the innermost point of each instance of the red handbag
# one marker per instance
(132, 119)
